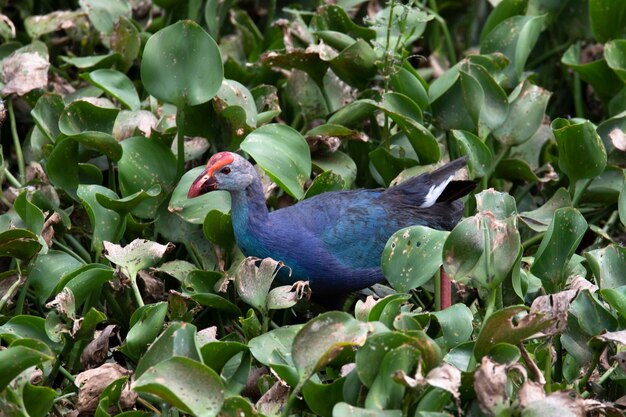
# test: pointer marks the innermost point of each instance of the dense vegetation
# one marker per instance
(120, 295)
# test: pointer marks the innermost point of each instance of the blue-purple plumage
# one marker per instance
(335, 240)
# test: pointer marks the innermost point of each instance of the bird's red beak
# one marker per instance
(203, 184)
(206, 181)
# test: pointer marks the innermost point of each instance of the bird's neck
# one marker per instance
(248, 207)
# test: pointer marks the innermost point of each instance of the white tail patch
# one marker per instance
(434, 192)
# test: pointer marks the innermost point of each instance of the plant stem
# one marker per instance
(602, 379)
(82, 252)
(578, 193)
(19, 156)
(444, 28)
(180, 123)
(292, 399)
(11, 291)
(578, 96)
(558, 364)
(136, 292)
(438, 293)
(533, 240)
(490, 306)
(12, 180)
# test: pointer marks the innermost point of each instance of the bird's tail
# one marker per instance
(434, 187)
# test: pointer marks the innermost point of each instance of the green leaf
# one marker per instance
(356, 64)
(47, 271)
(456, 324)
(616, 297)
(116, 84)
(593, 317)
(338, 163)
(146, 323)
(608, 19)
(31, 215)
(137, 255)
(186, 384)
(19, 243)
(515, 37)
(218, 229)
(574, 140)
(596, 73)
(16, 359)
(321, 398)
(27, 327)
(540, 219)
(107, 224)
(253, 283)
(325, 182)
(322, 339)
(125, 205)
(179, 339)
(412, 256)
(385, 392)
(408, 82)
(508, 325)
(182, 65)
(144, 163)
(81, 116)
(608, 265)
(104, 13)
(274, 348)
(526, 112)
(195, 210)
(283, 153)
(559, 243)
(126, 41)
(480, 159)
(346, 410)
(216, 354)
(46, 114)
(615, 55)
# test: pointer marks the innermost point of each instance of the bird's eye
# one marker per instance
(225, 171)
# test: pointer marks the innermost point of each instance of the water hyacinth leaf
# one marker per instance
(483, 248)
(406, 81)
(515, 37)
(116, 84)
(322, 339)
(383, 305)
(36, 26)
(185, 50)
(515, 170)
(356, 64)
(218, 229)
(179, 339)
(334, 17)
(400, 25)
(616, 297)
(217, 302)
(596, 73)
(412, 256)
(107, 225)
(495, 104)
(274, 348)
(91, 62)
(22, 327)
(448, 100)
(501, 12)
(146, 324)
(46, 114)
(195, 210)
(575, 139)
(216, 354)
(299, 59)
(539, 219)
(31, 215)
(337, 40)
(592, 315)
(501, 205)
(19, 243)
(325, 182)
(321, 398)
(385, 392)
(104, 13)
(62, 167)
(456, 324)
(608, 19)
(100, 141)
(47, 270)
(16, 359)
(615, 55)
(343, 409)
(85, 282)
(126, 41)
(608, 265)
(559, 243)
(510, 325)
(233, 94)
(137, 255)
(81, 116)
(253, 283)
(125, 205)
(479, 157)
(400, 105)
(353, 112)
(338, 163)
(284, 155)
(186, 384)
(526, 111)
(145, 163)
(621, 204)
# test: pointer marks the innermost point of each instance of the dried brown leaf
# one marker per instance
(490, 385)
(92, 382)
(24, 72)
(97, 350)
(274, 399)
(554, 307)
(618, 137)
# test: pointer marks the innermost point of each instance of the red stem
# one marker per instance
(446, 290)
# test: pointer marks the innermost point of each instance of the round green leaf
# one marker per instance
(608, 265)
(144, 163)
(283, 153)
(182, 65)
(16, 359)
(146, 323)
(186, 384)
(106, 224)
(540, 218)
(195, 210)
(574, 140)
(479, 157)
(116, 84)
(47, 270)
(81, 116)
(339, 163)
(412, 256)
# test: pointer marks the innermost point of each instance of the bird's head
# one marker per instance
(224, 171)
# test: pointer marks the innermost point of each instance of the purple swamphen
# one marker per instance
(333, 240)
